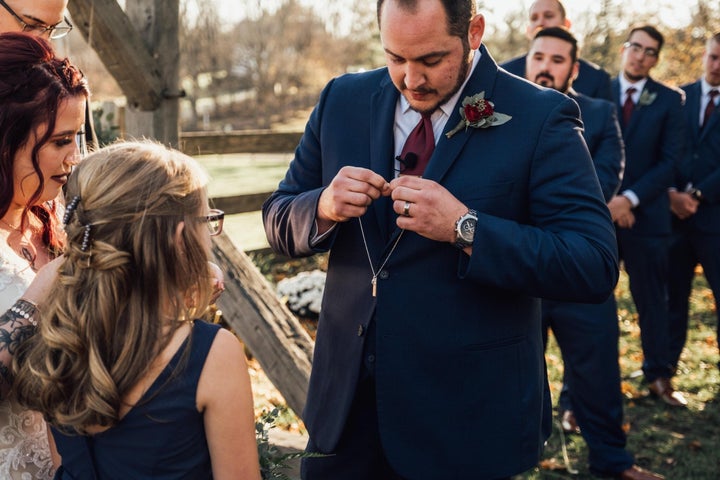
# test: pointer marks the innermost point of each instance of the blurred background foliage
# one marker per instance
(256, 72)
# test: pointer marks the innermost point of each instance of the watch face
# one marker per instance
(467, 229)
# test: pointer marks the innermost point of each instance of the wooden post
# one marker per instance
(157, 22)
(271, 332)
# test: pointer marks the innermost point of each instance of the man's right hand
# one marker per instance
(682, 204)
(349, 195)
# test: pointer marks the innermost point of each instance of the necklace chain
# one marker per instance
(17, 229)
(375, 274)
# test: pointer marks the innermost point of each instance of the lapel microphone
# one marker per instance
(409, 161)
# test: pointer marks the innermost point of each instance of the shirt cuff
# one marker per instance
(630, 195)
(316, 239)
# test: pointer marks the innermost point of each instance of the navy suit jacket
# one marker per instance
(701, 163)
(654, 141)
(592, 80)
(459, 368)
(604, 140)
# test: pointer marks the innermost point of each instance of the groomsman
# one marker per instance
(695, 200)
(591, 80)
(653, 128)
(588, 333)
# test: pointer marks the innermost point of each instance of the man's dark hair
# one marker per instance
(650, 30)
(459, 13)
(563, 34)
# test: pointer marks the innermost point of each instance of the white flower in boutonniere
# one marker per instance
(478, 112)
(646, 98)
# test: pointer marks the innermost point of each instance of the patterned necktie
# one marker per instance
(710, 108)
(418, 148)
(628, 106)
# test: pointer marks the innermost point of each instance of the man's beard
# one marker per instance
(551, 82)
(633, 78)
(462, 74)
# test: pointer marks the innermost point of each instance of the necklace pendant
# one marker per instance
(374, 286)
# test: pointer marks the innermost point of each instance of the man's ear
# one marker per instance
(476, 31)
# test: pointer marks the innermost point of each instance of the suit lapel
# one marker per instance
(448, 149)
(693, 105)
(381, 147)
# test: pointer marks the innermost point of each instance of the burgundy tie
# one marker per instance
(710, 106)
(418, 148)
(628, 106)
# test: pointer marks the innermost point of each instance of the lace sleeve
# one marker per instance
(16, 325)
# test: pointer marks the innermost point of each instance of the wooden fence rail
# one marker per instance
(249, 304)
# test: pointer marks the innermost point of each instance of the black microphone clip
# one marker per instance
(409, 162)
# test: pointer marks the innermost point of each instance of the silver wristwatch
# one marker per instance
(465, 229)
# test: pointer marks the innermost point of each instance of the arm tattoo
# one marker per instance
(16, 326)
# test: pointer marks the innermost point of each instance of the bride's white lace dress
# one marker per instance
(24, 449)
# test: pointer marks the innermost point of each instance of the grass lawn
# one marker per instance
(681, 444)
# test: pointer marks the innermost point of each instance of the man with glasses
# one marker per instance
(45, 18)
(653, 126)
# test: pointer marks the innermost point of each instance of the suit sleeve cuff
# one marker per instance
(630, 195)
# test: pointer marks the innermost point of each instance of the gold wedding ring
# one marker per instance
(406, 209)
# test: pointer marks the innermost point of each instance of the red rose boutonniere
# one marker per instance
(477, 112)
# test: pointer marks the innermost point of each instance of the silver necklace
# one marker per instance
(375, 274)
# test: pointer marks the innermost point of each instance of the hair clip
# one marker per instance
(86, 238)
(70, 209)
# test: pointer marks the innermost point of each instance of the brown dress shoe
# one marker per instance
(637, 473)
(662, 388)
(568, 422)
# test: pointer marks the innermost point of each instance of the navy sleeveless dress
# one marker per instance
(161, 438)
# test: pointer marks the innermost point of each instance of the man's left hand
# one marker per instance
(431, 210)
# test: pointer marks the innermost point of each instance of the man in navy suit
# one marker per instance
(652, 122)
(588, 334)
(428, 362)
(591, 80)
(695, 200)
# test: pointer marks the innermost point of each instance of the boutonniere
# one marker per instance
(478, 112)
(646, 98)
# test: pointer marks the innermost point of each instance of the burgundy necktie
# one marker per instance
(710, 108)
(628, 106)
(418, 148)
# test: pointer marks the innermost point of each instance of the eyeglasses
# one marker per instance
(637, 48)
(81, 142)
(214, 219)
(53, 31)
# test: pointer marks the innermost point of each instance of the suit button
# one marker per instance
(361, 330)
(384, 275)
(371, 358)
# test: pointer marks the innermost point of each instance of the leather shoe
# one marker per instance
(662, 388)
(637, 473)
(568, 422)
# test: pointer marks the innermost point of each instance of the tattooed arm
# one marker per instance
(16, 325)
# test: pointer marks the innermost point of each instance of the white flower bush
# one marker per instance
(303, 292)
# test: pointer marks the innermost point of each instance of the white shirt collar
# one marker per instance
(706, 87)
(625, 84)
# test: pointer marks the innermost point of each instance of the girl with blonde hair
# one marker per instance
(132, 383)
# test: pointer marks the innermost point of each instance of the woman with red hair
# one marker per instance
(42, 110)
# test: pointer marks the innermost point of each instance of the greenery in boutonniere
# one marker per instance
(478, 112)
(646, 98)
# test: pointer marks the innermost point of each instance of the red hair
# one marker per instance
(33, 84)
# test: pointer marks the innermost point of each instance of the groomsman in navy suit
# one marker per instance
(695, 200)
(591, 80)
(652, 122)
(452, 197)
(588, 334)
